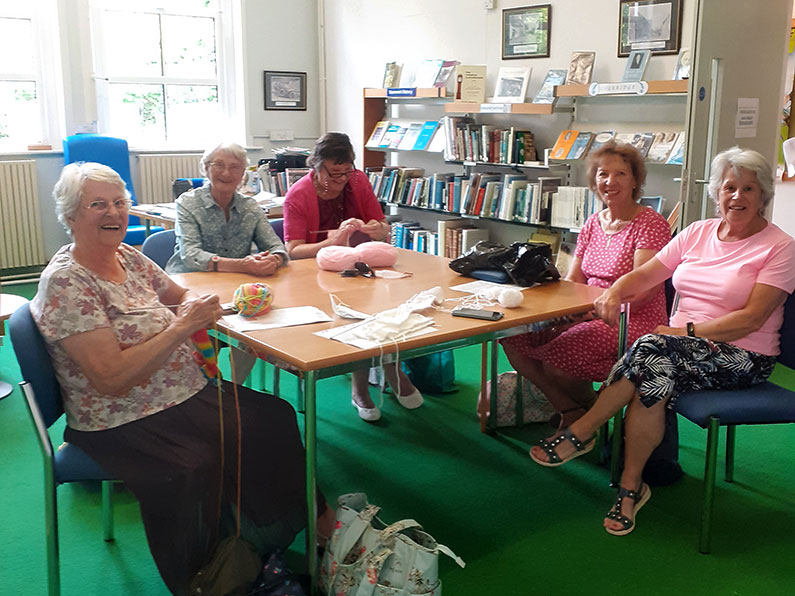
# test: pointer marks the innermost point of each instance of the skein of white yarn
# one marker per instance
(510, 297)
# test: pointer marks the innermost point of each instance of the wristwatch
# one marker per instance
(691, 329)
(215, 259)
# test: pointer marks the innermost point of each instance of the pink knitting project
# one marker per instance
(339, 258)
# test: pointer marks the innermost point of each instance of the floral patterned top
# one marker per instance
(202, 231)
(72, 300)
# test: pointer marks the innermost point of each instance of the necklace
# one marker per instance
(611, 227)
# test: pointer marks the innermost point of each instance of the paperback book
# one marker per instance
(379, 130)
(564, 144)
(391, 75)
(470, 83)
(580, 146)
(580, 68)
(427, 72)
(661, 146)
(546, 94)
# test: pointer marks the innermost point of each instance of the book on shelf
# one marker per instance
(508, 205)
(682, 70)
(426, 73)
(391, 131)
(499, 207)
(391, 75)
(444, 232)
(636, 66)
(379, 130)
(511, 84)
(661, 146)
(553, 78)
(563, 145)
(479, 193)
(572, 206)
(546, 186)
(427, 131)
(447, 68)
(677, 154)
(397, 137)
(600, 138)
(438, 195)
(624, 138)
(410, 136)
(642, 142)
(655, 202)
(580, 68)
(437, 144)
(581, 144)
(471, 236)
(565, 257)
(492, 191)
(399, 190)
(293, 175)
(470, 83)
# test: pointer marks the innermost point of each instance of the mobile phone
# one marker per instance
(228, 308)
(475, 313)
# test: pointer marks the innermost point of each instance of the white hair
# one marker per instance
(68, 191)
(747, 159)
(233, 149)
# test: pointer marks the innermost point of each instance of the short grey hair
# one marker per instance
(747, 159)
(233, 149)
(68, 191)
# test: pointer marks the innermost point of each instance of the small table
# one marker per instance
(165, 214)
(8, 304)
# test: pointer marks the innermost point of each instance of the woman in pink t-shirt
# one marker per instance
(334, 205)
(733, 275)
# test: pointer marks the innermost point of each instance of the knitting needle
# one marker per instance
(228, 308)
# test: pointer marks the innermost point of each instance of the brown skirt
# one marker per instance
(171, 461)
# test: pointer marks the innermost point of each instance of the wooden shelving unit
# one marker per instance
(463, 107)
(655, 88)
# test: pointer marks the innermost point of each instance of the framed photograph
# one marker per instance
(525, 32)
(654, 25)
(636, 66)
(511, 85)
(285, 90)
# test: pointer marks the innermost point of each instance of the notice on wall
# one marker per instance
(747, 117)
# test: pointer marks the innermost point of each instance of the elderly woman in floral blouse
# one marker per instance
(118, 330)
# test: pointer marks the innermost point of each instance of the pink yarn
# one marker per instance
(339, 258)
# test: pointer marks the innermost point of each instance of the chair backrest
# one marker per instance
(787, 356)
(108, 151)
(160, 246)
(278, 227)
(35, 363)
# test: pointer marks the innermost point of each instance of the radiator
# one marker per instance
(157, 172)
(20, 229)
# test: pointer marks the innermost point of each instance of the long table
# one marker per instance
(312, 358)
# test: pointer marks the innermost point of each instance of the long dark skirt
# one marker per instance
(171, 461)
(664, 366)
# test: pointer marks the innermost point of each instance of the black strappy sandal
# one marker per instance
(581, 447)
(640, 496)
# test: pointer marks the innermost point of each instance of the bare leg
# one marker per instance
(568, 395)
(610, 401)
(644, 430)
(398, 380)
(360, 388)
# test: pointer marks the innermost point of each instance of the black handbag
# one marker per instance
(526, 263)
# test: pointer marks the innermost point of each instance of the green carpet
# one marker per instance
(522, 529)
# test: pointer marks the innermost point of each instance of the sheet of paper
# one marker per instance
(278, 317)
(338, 334)
(747, 117)
(473, 287)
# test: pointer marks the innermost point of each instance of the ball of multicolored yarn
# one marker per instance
(252, 299)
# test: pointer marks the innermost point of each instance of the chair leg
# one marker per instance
(710, 465)
(618, 435)
(107, 510)
(51, 528)
(276, 371)
(299, 392)
(729, 473)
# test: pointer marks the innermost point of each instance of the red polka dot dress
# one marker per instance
(589, 350)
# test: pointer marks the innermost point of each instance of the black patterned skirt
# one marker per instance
(664, 366)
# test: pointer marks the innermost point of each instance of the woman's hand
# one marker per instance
(374, 229)
(341, 235)
(199, 313)
(261, 264)
(608, 306)
(665, 330)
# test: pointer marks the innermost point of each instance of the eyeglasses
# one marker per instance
(101, 206)
(339, 177)
(220, 166)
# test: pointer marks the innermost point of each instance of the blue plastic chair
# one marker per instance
(762, 404)
(160, 246)
(66, 464)
(115, 154)
(278, 227)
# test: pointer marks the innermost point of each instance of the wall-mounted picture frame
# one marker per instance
(654, 25)
(285, 90)
(525, 32)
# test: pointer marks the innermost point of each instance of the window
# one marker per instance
(158, 71)
(20, 83)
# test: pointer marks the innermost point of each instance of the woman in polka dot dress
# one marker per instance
(564, 362)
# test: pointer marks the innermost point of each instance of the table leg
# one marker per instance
(495, 353)
(310, 429)
(483, 405)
